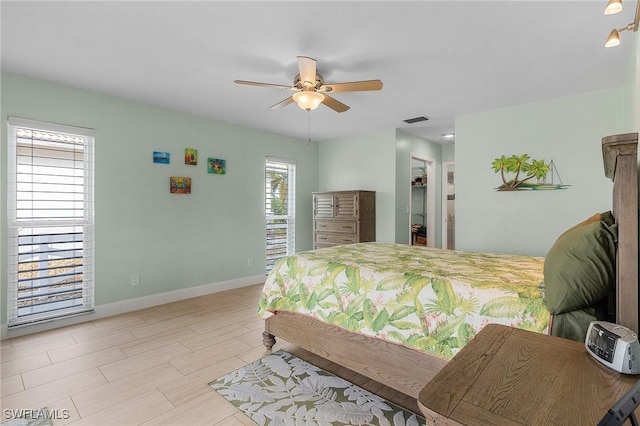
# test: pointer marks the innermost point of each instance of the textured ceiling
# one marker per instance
(436, 58)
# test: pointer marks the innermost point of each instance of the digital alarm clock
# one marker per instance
(613, 345)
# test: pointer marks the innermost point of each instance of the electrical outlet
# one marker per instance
(250, 262)
(135, 280)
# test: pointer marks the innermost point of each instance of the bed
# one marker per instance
(399, 322)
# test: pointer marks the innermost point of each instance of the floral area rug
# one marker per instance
(281, 389)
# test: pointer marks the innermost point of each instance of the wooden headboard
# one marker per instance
(620, 155)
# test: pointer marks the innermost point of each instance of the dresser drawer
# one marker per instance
(335, 226)
(324, 245)
(336, 239)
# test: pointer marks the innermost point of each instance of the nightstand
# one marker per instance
(510, 376)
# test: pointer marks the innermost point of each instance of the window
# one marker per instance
(280, 208)
(50, 221)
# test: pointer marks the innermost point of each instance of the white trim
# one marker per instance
(431, 197)
(50, 127)
(280, 160)
(16, 224)
(445, 208)
(129, 305)
(291, 208)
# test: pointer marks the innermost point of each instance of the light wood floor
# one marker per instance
(149, 367)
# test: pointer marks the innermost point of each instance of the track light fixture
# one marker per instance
(613, 39)
(615, 6)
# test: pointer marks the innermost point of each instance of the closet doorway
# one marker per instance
(448, 206)
(422, 202)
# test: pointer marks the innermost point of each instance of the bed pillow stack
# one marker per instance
(579, 274)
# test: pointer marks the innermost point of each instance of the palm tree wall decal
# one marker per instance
(523, 169)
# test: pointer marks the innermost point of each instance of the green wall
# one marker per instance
(569, 131)
(406, 146)
(632, 85)
(448, 152)
(364, 162)
(172, 241)
(379, 161)
(181, 242)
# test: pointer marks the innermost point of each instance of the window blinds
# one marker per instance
(280, 208)
(50, 221)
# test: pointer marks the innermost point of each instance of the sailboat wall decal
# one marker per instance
(522, 173)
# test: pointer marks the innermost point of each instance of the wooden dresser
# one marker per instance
(343, 217)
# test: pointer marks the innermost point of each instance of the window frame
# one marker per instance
(290, 217)
(16, 224)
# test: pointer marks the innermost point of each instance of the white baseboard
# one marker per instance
(123, 306)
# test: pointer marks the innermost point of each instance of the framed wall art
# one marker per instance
(216, 166)
(180, 185)
(160, 157)
(191, 157)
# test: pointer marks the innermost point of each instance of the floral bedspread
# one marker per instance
(429, 299)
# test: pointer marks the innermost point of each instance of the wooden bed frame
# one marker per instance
(408, 370)
(620, 154)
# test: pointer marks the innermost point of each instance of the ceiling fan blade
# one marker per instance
(254, 83)
(282, 103)
(307, 67)
(354, 86)
(334, 104)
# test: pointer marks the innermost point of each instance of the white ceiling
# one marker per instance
(435, 58)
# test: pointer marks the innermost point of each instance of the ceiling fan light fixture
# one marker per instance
(311, 91)
(613, 39)
(308, 99)
(613, 6)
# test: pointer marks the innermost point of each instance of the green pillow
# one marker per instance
(573, 325)
(579, 270)
(606, 217)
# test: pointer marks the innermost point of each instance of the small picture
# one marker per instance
(180, 185)
(216, 165)
(161, 157)
(191, 157)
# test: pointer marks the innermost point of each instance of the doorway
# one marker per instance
(448, 206)
(422, 206)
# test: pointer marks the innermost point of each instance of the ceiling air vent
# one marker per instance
(416, 119)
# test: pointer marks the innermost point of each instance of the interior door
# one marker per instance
(422, 201)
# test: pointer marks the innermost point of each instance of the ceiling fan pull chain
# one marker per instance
(308, 127)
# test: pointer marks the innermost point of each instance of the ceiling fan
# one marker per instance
(311, 90)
